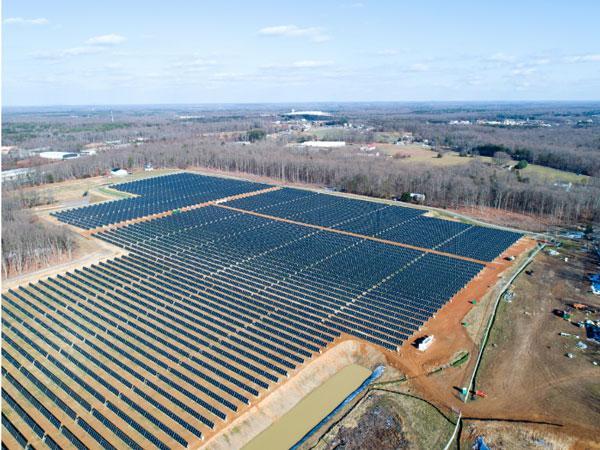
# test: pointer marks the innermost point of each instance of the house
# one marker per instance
(16, 174)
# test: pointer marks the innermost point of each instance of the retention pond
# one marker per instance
(313, 410)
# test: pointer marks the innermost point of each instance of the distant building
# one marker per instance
(15, 174)
(323, 144)
(118, 172)
(58, 155)
(416, 197)
(308, 115)
(564, 185)
(368, 148)
(88, 152)
(148, 167)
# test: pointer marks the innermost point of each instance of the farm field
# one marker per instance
(218, 302)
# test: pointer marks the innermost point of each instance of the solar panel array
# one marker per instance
(209, 309)
(392, 223)
(156, 195)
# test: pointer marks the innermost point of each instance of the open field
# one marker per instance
(525, 370)
(68, 194)
(552, 175)
(416, 153)
(505, 435)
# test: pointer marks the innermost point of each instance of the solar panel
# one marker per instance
(213, 306)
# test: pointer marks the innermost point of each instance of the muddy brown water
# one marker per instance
(290, 428)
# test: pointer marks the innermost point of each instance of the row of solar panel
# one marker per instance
(394, 223)
(214, 301)
(348, 264)
(158, 194)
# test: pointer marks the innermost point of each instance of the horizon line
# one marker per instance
(70, 105)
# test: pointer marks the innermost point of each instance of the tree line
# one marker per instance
(474, 183)
(27, 242)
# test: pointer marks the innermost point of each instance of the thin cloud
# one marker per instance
(66, 53)
(314, 34)
(386, 52)
(523, 71)
(304, 64)
(419, 67)
(93, 45)
(106, 39)
(23, 21)
(195, 64)
(311, 64)
(501, 57)
(590, 57)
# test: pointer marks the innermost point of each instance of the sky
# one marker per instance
(86, 52)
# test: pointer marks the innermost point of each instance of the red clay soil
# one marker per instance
(451, 336)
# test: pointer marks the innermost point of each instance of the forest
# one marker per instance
(27, 242)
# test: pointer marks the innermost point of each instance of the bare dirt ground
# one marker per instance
(511, 435)
(506, 218)
(452, 337)
(525, 370)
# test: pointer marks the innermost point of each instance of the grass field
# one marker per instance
(553, 174)
(416, 153)
(72, 190)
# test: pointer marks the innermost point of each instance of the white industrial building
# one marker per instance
(58, 155)
(308, 115)
(118, 172)
(324, 144)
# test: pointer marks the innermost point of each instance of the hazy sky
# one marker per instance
(173, 51)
